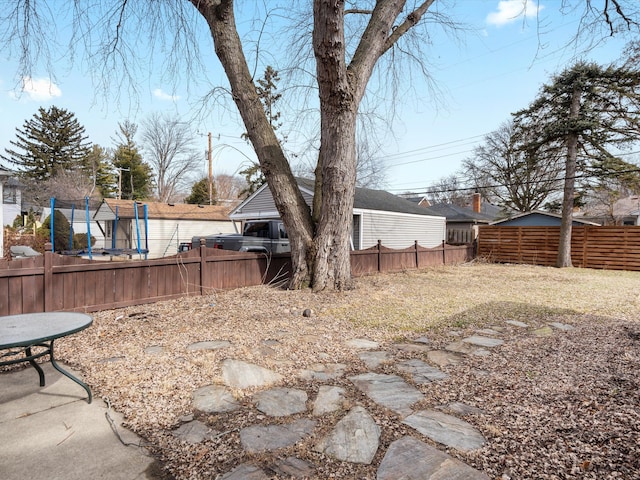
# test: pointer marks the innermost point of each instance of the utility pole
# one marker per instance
(209, 158)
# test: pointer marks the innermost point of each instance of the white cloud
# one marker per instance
(40, 89)
(158, 93)
(511, 10)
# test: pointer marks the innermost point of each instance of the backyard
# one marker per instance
(550, 403)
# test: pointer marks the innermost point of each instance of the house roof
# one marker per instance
(541, 213)
(369, 199)
(457, 214)
(155, 210)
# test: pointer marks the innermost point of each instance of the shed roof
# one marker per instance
(155, 210)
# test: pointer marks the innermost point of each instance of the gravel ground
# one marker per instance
(563, 406)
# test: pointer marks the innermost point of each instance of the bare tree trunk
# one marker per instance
(564, 247)
(287, 196)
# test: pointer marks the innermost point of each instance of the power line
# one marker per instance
(528, 182)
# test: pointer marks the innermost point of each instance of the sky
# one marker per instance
(483, 76)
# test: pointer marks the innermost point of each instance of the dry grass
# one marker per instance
(266, 326)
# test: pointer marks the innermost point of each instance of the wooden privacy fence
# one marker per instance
(53, 282)
(612, 248)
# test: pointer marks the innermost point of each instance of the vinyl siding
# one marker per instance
(400, 230)
(261, 205)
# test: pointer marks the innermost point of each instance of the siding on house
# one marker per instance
(261, 205)
(399, 230)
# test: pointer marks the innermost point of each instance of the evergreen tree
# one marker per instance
(200, 193)
(135, 176)
(51, 142)
(585, 114)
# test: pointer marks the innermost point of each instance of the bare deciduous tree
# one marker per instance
(170, 150)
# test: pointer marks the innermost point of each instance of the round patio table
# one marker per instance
(19, 334)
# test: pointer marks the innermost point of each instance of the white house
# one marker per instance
(4, 177)
(166, 225)
(377, 215)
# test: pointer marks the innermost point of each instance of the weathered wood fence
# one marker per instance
(612, 248)
(55, 282)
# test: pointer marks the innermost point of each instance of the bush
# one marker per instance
(62, 229)
(80, 241)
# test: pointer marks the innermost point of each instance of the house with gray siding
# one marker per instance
(377, 215)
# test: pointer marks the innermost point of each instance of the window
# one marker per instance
(9, 195)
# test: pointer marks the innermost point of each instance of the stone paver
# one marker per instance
(214, 399)
(460, 408)
(355, 438)
(329, 399)
(373, 359)
(263, 438)
(239, 374)
(421, 372)
(517, 323)
(409, 458)
(446, 429)
(390, 391)
(442, 358)
(194, 432)
(467, 348)
(281, 402)
(323, 372)
(482, 341)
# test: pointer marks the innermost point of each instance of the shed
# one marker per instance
(377, 215)
(537, 218)
(168, 224)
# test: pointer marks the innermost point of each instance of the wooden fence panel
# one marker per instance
(613, 248)
(54, 282)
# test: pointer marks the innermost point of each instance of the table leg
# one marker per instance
(68, 375)
(35, 365)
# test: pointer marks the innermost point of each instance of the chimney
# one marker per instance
(476, 202)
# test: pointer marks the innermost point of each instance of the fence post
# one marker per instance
(203, 265)
(444, 254)
(415, 243)
(48, 278)
(379, 256)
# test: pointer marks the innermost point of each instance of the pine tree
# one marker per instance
(586, 114)
(135, 176)
(200, 193)
(51, 142)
